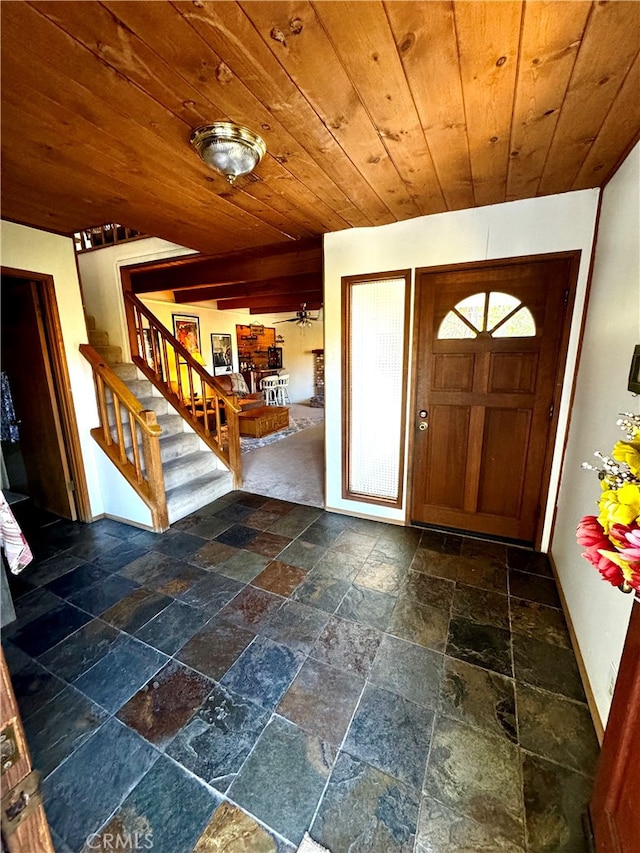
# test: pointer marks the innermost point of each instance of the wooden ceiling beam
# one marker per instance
(268, 309)
(281, 303)
(282, 285)
(303, 257)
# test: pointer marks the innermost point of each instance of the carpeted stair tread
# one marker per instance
(186, 498)
(111, 354)
(188, 468)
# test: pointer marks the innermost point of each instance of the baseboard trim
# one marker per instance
(123, 521)
(591, 702)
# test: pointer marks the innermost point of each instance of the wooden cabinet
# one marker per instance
(256, 423)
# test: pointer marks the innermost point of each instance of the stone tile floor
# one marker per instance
(264, 668)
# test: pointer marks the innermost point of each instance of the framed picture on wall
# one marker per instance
(187, 330)
(222, 354)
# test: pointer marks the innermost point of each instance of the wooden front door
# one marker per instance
(27, 363)
(490, 342)
(615, 817)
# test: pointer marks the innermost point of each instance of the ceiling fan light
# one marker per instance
(228, 148)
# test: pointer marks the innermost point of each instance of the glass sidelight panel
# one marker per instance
(375, 367)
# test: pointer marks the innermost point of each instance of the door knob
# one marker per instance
(422, 426)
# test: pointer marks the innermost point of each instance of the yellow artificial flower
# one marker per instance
(619, 506)
(628, 452)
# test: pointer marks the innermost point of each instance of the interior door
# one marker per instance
(487, 373)
(25, 359)
(615, 817)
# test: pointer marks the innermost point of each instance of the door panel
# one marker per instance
(486, 369)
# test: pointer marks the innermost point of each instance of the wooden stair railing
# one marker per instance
(190, 389)
(140, 464)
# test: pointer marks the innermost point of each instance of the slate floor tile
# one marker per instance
(296, 625)
(146, 567)
(392, 734)
(231, 829)
(321, 700)
(475, 571)
(557, 728)
(555, 800)
(529, 561)
(29, 607)
(381, 576)
(76, 580)
(419, 623)
(251, 608)
(51, 569)
(337, 564)
(200, 524)
(351, 542)
(396, 552)
(268, 544)
(282, 780)
(323, 592)
(479, 697)
(481, 606)
(212, 593)
(234, 513)
(43, 632)
(477, 775)
(534, 588)
(365, 811)
(176, 579)
(178, 544)
(237, 536)
(547, 666)
(211, 555)
(408, 670)
(134, 663)
(135, 609)
(427, 589)
(171, 807)
(305, 555)
(263, 672)
(104, 594)
(74, 808)
(165, 703)
(494, 553)
(216, 742)
(214, 648)
(435, 563)
(367, 606)
(482, 645)
(243, 566)
(263, 520)
(445, 543)
(89, 547)
(539, 622)
(34, 686)
(172, 627)
(347, 646)
(120, 557)
(319, 534)
(79, 651)
(442, 830)
(280, 578)
(56, 729)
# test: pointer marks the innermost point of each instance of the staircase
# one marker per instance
(192, 477)
(99, 340)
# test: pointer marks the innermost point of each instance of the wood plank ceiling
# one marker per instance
(372, 112)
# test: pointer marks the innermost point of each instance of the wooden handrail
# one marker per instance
(191, 390)
(140, 464)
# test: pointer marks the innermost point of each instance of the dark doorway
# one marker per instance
(38, 451)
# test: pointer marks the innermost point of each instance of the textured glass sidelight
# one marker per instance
(376, 359)
(498, 314)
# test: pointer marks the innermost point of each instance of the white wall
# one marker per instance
(41, 252)
(600, 613)
(534, 226)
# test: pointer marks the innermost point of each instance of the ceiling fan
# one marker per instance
(303, 317)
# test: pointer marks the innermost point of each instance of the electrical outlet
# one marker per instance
(613, 674)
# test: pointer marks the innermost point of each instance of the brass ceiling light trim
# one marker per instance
(228, 148)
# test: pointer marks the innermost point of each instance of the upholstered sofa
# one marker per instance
(233, 385)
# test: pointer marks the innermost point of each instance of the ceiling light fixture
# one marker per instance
(228, 148)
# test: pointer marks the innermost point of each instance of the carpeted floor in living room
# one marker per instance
(292, 467)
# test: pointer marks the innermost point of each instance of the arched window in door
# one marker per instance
(496, 314)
